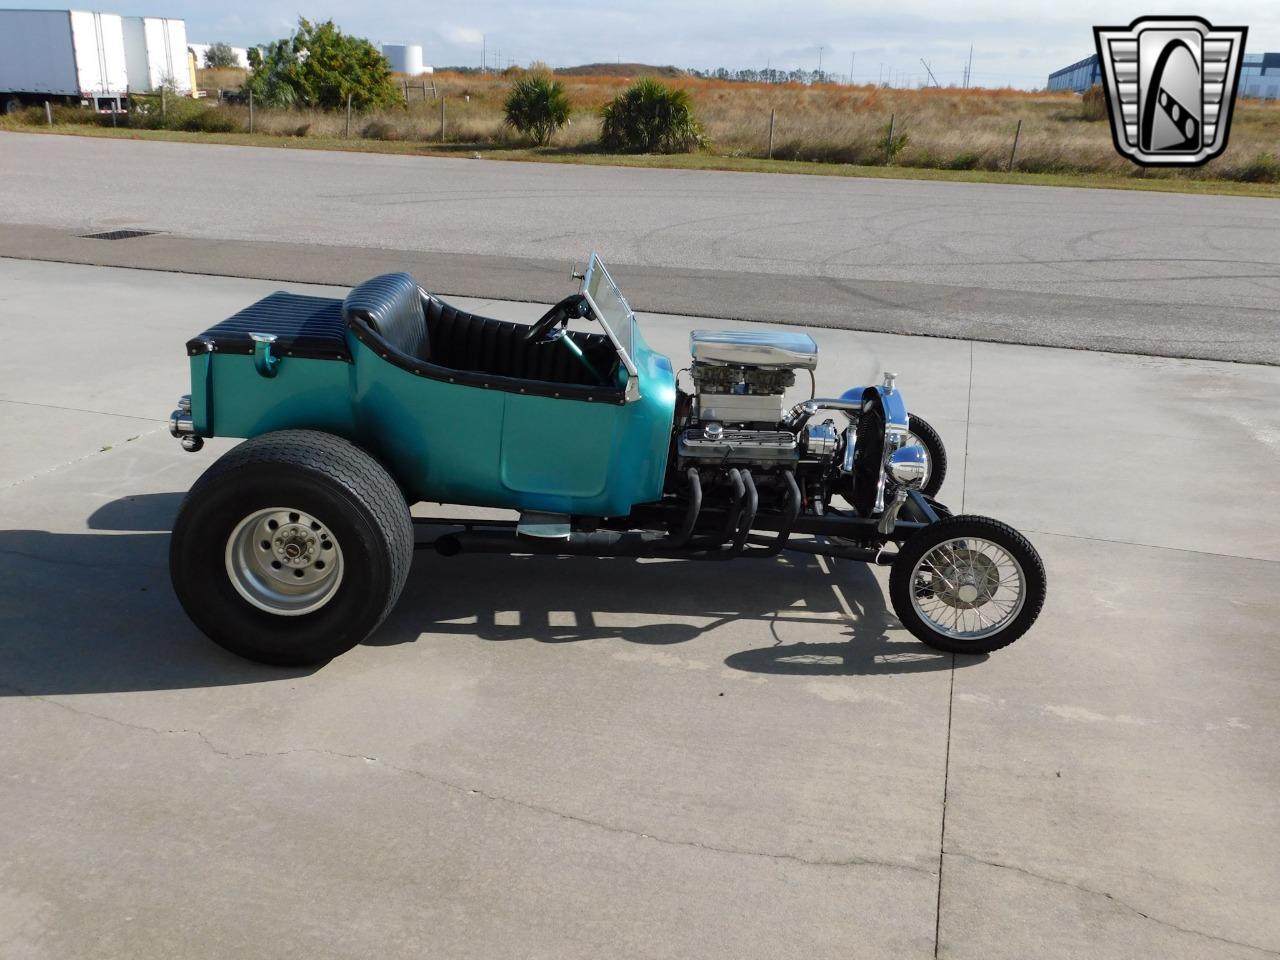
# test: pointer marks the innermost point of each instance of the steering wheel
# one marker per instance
(557, 316)
(555, 324)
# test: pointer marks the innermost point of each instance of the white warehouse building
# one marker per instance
(201, 50)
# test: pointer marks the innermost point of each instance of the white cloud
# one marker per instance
(464, 36)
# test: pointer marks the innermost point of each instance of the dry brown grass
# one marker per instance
(940, 128)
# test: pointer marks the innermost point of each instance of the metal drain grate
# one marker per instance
(118, 235)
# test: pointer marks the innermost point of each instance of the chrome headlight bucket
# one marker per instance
(909, 465)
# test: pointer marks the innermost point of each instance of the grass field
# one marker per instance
(831, 129)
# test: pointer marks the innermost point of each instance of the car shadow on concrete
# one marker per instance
(93, 611)
(555, 600)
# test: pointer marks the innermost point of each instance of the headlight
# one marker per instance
(909, 465)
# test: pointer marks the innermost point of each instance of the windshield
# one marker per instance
(611, 309)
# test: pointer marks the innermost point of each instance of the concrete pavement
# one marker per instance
(579, 758)
(1135, 272)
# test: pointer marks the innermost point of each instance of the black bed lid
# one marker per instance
(309, 327)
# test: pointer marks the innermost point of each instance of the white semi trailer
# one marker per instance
(156, 52)
(64, 56)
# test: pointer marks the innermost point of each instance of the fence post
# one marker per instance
(888, 142)
(771, 113)
(406, 89)
(1014, 152)
(348, 133)
(115, 106)
(442, 99)
(48, 113)
(251, 110)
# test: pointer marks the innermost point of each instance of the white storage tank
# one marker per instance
(404, 57)
(156, 52)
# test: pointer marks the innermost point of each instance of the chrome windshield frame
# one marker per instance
(633, 375)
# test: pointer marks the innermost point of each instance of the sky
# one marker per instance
(1015, 43)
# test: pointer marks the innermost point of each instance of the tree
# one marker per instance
(537, 107)
(220, 55)
(319, 66)
(650, 117)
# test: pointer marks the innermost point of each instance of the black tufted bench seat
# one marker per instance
(421, 327)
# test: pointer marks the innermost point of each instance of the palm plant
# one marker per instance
(650, 117)
(537, 107)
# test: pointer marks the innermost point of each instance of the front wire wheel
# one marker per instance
(967, 584)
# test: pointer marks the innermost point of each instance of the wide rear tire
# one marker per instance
(292, 548)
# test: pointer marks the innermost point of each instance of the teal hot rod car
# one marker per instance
(294, 546)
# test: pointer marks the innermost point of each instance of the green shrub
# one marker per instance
(175, 112)
(537, 107)
(220, 55)
(319, 66)
(1263, 168)
(650, 117)
(1093, 105)
(964, 161)
(207, 120)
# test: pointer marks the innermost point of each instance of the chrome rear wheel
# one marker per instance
(284, 561)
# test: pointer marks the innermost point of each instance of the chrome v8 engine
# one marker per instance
(738, 417)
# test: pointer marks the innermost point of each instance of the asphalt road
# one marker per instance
(564, 758)
(1152, 273)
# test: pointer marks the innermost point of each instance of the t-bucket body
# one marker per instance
(295, 544)
(447, 434)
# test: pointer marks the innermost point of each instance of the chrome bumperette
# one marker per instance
(182, 426)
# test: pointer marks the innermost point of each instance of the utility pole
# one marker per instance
(930, 72)
(484, 49)
(820, 49)
(968, 67)
(851, 69)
